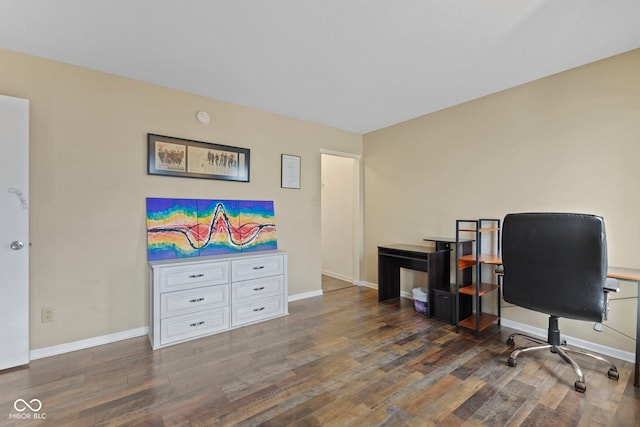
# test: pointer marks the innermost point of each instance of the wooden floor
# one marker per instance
(340, 359)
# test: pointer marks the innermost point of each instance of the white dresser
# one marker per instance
(194, 297)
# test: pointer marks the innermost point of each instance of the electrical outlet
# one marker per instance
(48, 314)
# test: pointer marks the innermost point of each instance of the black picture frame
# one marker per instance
(170, 156)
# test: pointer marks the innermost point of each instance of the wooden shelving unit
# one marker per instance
(474, 262)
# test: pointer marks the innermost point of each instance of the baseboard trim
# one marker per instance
(40, 353)
(406, 294)
(305, 295)
(339, 276)
(368, 284)
(576, 342)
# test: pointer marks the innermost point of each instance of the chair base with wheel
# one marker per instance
(558, 346)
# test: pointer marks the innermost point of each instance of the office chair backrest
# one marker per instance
(555, 263)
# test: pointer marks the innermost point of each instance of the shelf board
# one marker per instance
(485, 288)
(446, 240)
(490, 259)
(479, 230)
(469, 260)
(466, 263)
(486, 320)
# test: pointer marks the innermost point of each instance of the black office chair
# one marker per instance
(556, 263)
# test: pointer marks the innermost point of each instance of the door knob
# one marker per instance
(16, 245)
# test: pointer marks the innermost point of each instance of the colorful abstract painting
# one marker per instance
(178, 228)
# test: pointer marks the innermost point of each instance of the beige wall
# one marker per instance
(569, 142)
(88, 185)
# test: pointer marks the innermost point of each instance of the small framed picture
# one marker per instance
(196, 159)
(290, 173)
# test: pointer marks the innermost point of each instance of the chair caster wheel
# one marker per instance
(510, 341)
(613, 374)
(580, 386)
(512, 362)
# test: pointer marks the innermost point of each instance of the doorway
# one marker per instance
(340, 220)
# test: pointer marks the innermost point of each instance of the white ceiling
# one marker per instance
(358, 65)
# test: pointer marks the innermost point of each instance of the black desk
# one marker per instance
(414, 257)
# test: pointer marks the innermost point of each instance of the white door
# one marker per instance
(14, 232)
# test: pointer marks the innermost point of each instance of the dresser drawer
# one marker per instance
(192, 276)
(257, 288)
(193, 300)
(255, 267)
(187, 326)
(252, 311)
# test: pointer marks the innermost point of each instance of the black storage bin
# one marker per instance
(443, 303)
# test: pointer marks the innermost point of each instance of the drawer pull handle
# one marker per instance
(258, 268)
(258, 309)
(195, 276)
(258, 289)
(197, 324)
(196, 300)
